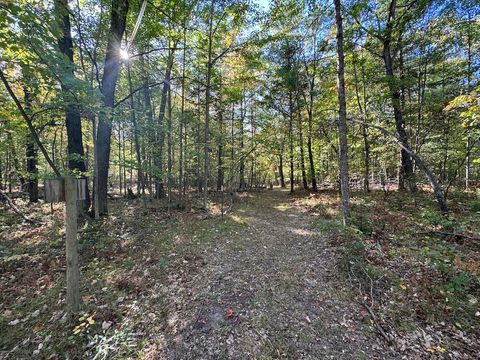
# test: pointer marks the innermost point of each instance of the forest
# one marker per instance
(239, 179)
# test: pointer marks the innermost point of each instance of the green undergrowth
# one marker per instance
(415, 265)
(124, 258)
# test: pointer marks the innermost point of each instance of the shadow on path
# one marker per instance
(264, 286)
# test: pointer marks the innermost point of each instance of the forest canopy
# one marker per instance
(177, 95)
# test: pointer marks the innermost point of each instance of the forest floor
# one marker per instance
(277, 278)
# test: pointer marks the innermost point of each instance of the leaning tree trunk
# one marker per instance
(437, 190)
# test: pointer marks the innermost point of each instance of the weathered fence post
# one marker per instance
(73, 273)
(70, 190)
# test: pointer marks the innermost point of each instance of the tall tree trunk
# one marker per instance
(135, 134)
(182, 119)
(290, 140)
(232, 150)
(120, 172)
(469, 88)
(406, 163)
(73, 123)
(342, 116)
(198, 142)
(302, 153)
(169, 150)
(207, 108)
(280, 171)
(252, 127)
(111, 69)
(220, 171)
(32, 170)
(406, 167)
(150, 124)
(31, 156)
(313, 177)
(363, 114)
(243, 184)
(158, 160)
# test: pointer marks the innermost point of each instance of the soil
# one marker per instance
(267, 290)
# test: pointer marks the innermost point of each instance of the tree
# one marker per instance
(342, 116)
(118, 17)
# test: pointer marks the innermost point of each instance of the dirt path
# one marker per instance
(277, 275)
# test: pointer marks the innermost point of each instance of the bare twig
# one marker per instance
(379, 327)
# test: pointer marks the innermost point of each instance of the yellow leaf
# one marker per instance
(440, 349)
(90, 320)
(403, 286)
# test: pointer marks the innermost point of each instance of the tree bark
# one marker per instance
(313, 177)
(342, 116)
(73, 123)
(280, 171)
(118, 19)
(290, 139)
(406, 163)
(32, 170)
(136, 135)
(302, 154)
(73, 270)
(158, 160)
(31, 156)
(182, 119)
(363, 114)
(243, 184)
(220, 170)
(207, 108)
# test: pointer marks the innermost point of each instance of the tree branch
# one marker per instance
(29, 124)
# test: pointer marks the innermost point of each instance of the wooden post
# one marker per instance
(73, 272)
